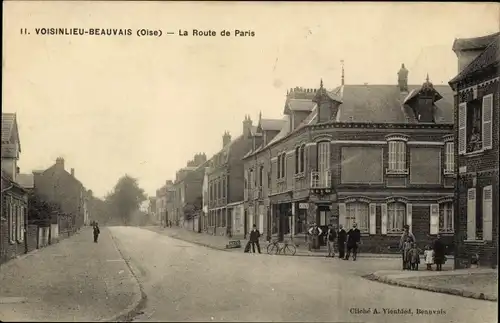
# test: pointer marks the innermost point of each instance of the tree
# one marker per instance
(40, 210)
(190, 210)
(125, 199)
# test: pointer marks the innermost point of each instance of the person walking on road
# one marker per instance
(341, 239)
(404, 237)
(331, 236)
(254, 238)
(96, 231)
(353, 239)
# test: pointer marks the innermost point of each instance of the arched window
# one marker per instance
(358, 212)
(302, 158)
(297, 160)
(396, 216)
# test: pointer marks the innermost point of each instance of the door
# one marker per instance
(323, 221)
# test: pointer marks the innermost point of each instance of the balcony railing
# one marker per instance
(321, 179)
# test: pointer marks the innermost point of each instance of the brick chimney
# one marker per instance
(403, 79)
(226, 139)
(73, 172)
(247, 127)
(60, 163)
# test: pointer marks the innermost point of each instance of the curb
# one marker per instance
(233, 250)
(140, 298)
(442, 290)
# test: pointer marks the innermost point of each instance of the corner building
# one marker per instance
(378, 155)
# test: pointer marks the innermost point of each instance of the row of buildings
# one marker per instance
(383, 156)
(37, 208)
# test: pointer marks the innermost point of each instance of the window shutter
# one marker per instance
(471, 214)
(487, 213)
(434, 216)
(342, 214)
(384, 218)
(409, 215)
(462, 128)
(373, 218)
(487, 121)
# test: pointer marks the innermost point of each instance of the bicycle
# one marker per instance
(275, 248)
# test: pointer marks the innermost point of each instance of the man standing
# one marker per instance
(315, 232)
(341, 239)
(404, 237)
(331, 236)
(353, 238)
(96, 231)
(254, 238)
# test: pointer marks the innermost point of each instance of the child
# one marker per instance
(414, 256)
(406, 252)
(429, 257)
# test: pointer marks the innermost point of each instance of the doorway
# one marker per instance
(323, 218)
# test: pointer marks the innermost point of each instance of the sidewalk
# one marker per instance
(472, 283)
(220, 242)
(73, 280)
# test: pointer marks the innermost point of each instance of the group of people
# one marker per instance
(410, 253)
(346, 240)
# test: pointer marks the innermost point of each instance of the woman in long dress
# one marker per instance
(439, 252)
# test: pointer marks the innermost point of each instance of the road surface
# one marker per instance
(187, 282)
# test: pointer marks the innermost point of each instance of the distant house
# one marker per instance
(187, 199)
(14, 206)
(477, 90)
(56, 185)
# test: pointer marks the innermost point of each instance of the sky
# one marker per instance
(143, 106)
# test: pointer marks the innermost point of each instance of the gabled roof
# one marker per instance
(384, 104)
(285, 130)
(271, 124)
(489, 57)
(9, 128)
(26, 180)
(474, 43)
(300, 105)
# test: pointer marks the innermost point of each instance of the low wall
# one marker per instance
(54, 233)
(32, 237)
(43, 236)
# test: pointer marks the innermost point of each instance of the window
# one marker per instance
(396, 215)
(475, 125)
(261, 176)
(223, 187)
(297, 160)
(278, 174)
(446, 217)
(302, 158)
(449, 158)
(357, 212)
(397, 156)
(283, 165)
(12, 221)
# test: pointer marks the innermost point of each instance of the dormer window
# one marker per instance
(475, 125)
